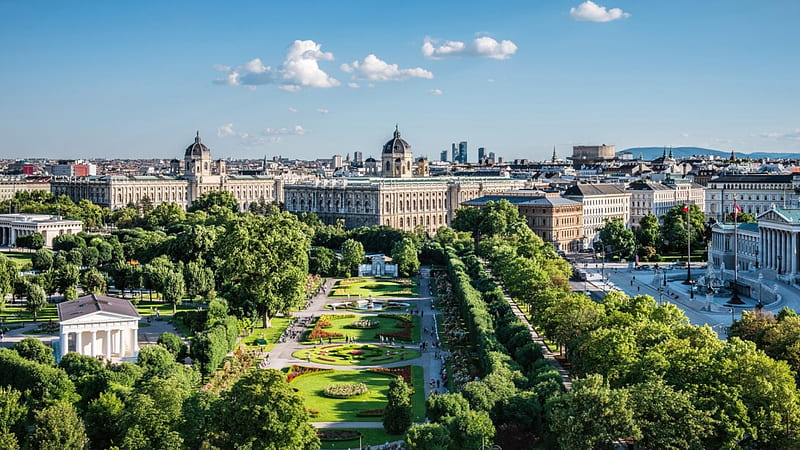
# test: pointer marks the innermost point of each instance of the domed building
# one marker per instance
(197, 159)
(396, 158)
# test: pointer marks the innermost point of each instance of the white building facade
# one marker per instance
(98, 326)
(13, 226)
(601, 203)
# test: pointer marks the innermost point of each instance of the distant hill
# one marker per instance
(650, 153)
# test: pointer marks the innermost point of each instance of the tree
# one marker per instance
(36, 300)
(404, 254)
(8, 272)
(94, 282)
(264, 264)
(58, 427)
(615, 239)
(33, 241)
(427, 436)
(397, 415)
(741, 218)
(174, 344)
(66, 276)
(437, 407)
(155, 358)
(591, 415)
(470, 429)
(207, 201)
(103, 417)
(675, 229)
(262, 411)
(12, 409)
(42, 259)
(649, 232)
(174, 289)
(666, 417)
(34, 350)
(352, 255)
(322, 261)
(199, 279)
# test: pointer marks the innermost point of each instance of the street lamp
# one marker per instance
(760, 305)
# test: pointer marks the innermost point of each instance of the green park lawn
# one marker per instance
(365, 354)
(311, 387)
(369, 436)
(19, 258)
(342, 326)
(17, 314)
(366, 287)
(267, 336)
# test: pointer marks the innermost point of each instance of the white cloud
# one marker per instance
(686, 135)
(435, 92)
(299, 69)
(322, 111)
(590, 11)
(793, 135)
(227, 130)
(482, 47)
(490, 80)
(373, 68)
(292, 110)
(353, 85)
(297, 130)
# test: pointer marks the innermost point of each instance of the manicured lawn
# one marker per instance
(16, 313)
(342, 326)
(311, 387)
(370, 436)
(375, 287)
(267, 336)
(356, 354)
(19, 258)
(148, 308)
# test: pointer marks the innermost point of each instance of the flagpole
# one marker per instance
(688, 251)
(735, 300)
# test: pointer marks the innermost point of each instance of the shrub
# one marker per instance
(324, 324)
(345, 390)
(318, 333)
(338, 435)
(370, 413)
(403, 372)
(398, 316)
(297, 371)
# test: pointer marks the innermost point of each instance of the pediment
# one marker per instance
(98, 317)
(772, 216)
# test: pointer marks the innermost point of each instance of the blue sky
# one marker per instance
(313, 79)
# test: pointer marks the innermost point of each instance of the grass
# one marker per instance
(16, 313)
(267, 336)
(375, 287)
(147, 308)
(345, 410)
(19, 258)
(340, 354)
(370, 436)
(363, 335)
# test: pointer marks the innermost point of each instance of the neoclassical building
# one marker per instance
(12, 226)
(396, 199)
(770, 244)
(648, 197)
(200, 175)
(754, 193)
(98, 326)
(551, 217)
(601, 202)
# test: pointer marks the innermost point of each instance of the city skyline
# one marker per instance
(136, 81)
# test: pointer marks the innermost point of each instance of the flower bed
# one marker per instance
(296, 371)
(331, 434)
(370, 413)
(345, 390)
(365, 324)
(324, 324)
(403, 335)
(313, 413)
(404, 372)
(319, 333)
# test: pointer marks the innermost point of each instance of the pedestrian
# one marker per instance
(638, 289)
(437, 384)
(308, 357)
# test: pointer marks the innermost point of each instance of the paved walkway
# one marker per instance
(281, 354)
(546, 352)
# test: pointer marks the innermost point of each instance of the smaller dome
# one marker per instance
(396, 145)
(370, 160)
(197, 148)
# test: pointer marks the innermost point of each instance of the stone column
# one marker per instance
(770, 253)
(107, 344)
(79, 342)
(134, 343)
(94, 343)
(793, 251)
(64, 343)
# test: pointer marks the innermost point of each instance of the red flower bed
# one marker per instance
(404, 372)
(370, 413)
(356, 352)
(318, 332)
(296, 371)
(324, 324)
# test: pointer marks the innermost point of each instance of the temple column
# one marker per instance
(134, 344)
(793, 251)
(108, 344)
(64, 343)
(771, 249)
(79, 342)
(94, 343)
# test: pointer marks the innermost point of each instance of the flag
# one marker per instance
(686, 207)
(736, 210)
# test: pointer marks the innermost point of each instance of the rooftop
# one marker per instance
(95, 303)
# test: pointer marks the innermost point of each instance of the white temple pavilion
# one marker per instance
(98, 326)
